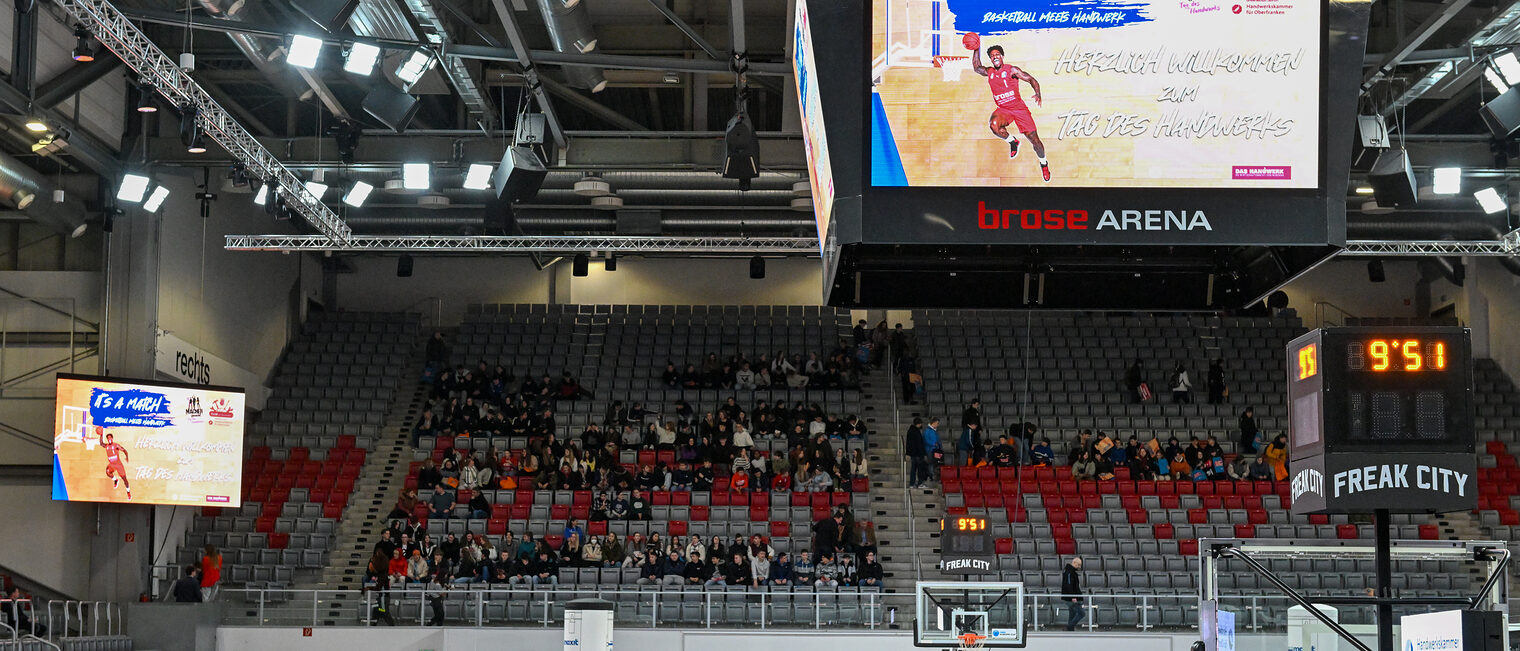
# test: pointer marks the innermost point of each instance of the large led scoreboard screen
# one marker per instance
(1215, 94)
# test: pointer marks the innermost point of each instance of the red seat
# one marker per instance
(1017, 514)
(597, 527)
(279, 540)
(646, 457)
(1204, 487)
(1166, 488)
(699, 513)
(464, 496)
(950, 472)
(1185, 487)
(1345, 531)
(346, 440)
(860, 485)
(781, 529)
(1256, 516)
(1235, 503)
(522, 495)
(1187, 547)
(1171, 502)
(1077, 516)
(667, 457)
(681, 498)
(1066, 547)
(584, 498)
(1162, 531)
(1429, 532)
(521, 511)
(1319, 518)
(501, 511)
(799, 499)
(1059, 516)
(1197, 516)
(657, 498)
(1003, 546)
(1060, 531)
(821, 512)
(677, 528)
(819, 499)
(580, 512)
(1213, 503)
(949, 510)
(264, 524)
(1138, 516)
(759, 514)
(332, 510)
(1224, 488)
(554, 540)
(1245, 531)
(559, 511)
(496, 527)
(1509, 518)
(722, 497)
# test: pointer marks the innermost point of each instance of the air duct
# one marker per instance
(25, 189)
(570, 31)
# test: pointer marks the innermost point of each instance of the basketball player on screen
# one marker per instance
(1011, 109)
(115, 455)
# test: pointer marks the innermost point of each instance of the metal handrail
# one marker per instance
(1319, 313)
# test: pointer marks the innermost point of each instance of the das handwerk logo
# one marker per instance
(220, 408)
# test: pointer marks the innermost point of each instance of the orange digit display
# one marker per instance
(1379, 352)
(1440, 356)
(970, 524)
(1412, 359)
(1308, 364)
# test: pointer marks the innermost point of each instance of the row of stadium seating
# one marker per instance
(306, 452)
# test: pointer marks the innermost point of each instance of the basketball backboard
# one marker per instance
(947, 610)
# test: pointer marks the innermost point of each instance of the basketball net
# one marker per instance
(952, 66)
(972, 640)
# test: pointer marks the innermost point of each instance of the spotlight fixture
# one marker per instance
(1364, 189)
(1509, 67)
(303, 51)
(414, 66)
(478, 177)
(414, 176)
(347, 137)
(84, 50)
(1490, 200)
(145, 103)
(50, 144)
(261, 197)
(133, 187)
(357, 194)
(317, 186)
(36, 124)
(156, 199)
(190, 130)
(80, 230)
(1497, 80)
(1446, 180)
(361, 58)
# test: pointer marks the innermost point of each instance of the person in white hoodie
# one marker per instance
(1182, 387)
(744, 378)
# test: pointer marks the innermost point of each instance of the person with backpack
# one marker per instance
(1182, 387)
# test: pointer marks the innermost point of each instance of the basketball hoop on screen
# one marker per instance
(952, 66)
(971, 640)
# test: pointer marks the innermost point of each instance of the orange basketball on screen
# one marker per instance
(971, 41)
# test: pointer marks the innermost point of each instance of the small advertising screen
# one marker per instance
(1216, 94)
(135, 441)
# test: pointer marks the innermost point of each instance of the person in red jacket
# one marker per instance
(211, 573)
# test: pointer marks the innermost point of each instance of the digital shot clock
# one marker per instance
(966, 545)
(1374, 412)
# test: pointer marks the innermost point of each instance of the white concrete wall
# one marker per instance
(1344, 284)
(1492, 303)
(53, 546)
(461, 281)
(29, 405)
(235, 305)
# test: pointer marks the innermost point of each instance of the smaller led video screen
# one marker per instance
(142, 442)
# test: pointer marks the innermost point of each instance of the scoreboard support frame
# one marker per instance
(1211, 551)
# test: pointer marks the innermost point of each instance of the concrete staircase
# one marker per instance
(373, 498)
(907, 521)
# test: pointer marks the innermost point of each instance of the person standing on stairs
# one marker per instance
(931, 445)
(971, 432)
(918, 455)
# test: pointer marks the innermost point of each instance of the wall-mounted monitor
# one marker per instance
(144, 442)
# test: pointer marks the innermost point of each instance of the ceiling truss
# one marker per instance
(790, 246)
(118, 34)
